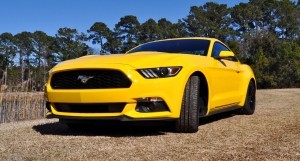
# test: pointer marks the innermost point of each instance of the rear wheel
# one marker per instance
(191, 103)
(249, 106)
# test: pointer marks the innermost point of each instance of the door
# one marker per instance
(225, 79)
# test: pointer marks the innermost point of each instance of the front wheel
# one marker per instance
(191, 103)
(249, 106)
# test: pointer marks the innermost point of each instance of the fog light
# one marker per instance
(145, 107)
(151, 104)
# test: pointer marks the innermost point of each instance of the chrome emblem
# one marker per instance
(84, 78)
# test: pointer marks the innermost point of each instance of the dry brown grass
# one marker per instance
(272, 133)
(18, 106)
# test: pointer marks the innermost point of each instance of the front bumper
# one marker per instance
(169, 89)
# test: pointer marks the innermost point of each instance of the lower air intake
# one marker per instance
(90, 108)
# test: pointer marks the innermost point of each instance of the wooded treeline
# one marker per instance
(263, 33)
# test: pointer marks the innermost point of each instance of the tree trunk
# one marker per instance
(5, 76)
(22, 69)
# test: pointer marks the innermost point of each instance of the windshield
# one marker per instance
(196, 47)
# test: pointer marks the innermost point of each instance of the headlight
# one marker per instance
(160, 72)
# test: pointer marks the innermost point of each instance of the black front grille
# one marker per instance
(90, 79)
(90, 108)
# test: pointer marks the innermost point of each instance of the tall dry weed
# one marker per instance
(17, 106)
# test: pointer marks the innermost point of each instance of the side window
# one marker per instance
(218, 47)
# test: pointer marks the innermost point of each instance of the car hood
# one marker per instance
(136, 60)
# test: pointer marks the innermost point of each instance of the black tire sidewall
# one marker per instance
(189, 114)
(247, 109)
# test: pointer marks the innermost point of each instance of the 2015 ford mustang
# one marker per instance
(177, 80)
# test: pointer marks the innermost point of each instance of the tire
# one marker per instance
(249, 107)
(188, 121)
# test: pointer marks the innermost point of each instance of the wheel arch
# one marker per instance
(204, 91)
(247, 77)
(253, 80)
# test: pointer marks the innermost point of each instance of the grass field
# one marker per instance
(272, 133)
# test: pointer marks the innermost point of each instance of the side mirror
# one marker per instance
(225, 54)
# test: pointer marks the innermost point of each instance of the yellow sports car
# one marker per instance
(177, 80)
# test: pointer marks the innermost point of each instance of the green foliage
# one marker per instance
(99, 33)
(261, 68)
(113, 44)
(69, 44)
(209, 20)
(263, 33)
(287, 65)
(7, 50)
(43, 55)
(244, 17)
(149, 31)
(166, 29)
(127, 32)
(25, 49)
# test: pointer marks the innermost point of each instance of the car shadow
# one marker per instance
(122, 129)
(218, 117)
(119, 129)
